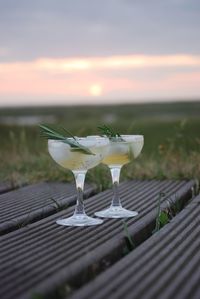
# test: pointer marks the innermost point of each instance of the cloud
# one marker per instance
(141, 76)
(101, 63)
(3, 52)
(49, 28)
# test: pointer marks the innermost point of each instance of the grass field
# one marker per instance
(171, 132)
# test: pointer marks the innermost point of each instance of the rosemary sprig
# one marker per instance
(53, 134)
(110, 133)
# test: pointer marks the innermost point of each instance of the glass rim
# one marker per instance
(86, 142)
(133, 137)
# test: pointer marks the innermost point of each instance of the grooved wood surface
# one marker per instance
(43, 255)
(30, 203)
(5, 187)
(165, 266)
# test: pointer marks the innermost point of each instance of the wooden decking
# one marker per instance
(44, 260)
(167, 265)
(30, 203)
(5, 187)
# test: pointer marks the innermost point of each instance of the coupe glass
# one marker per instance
(79, 162)
(119, 154)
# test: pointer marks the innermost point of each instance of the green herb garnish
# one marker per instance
(53, 134)
(110, 133)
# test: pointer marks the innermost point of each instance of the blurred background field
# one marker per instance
(171, 132)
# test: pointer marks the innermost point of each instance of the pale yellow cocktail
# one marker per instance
(121, 151)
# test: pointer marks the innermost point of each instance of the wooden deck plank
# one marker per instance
(5, 187)
(30, 203)
(42, 256)
(165, 266)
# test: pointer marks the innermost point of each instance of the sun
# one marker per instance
(95, 90)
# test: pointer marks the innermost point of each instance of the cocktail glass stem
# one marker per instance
(115, 173)
(79, 179)
(116, 210)
(79, 218)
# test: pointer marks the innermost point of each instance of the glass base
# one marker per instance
(79, 220)
(116, 212)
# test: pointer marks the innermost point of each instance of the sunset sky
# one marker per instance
(91, 51)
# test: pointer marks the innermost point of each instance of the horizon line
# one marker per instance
(117, 103)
